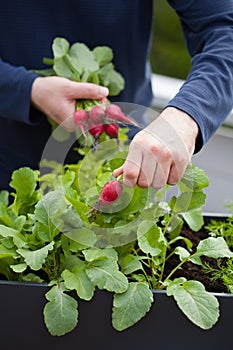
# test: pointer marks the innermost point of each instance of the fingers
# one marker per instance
(161, 175)
(175, 173)
(132, 165)
(159, 154)
(67, 89)
(87, 90)
(56, 97)
(118, 172)
(150, 171)
(130, 171)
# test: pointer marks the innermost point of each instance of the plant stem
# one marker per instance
(165, 259)
(176, 268)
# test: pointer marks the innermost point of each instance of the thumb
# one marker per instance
(88, 90)
(118, 172)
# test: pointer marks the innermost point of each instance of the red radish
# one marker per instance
(81, 119)
(110, 193)
(114, 113)
(96, 114)
(96, 130)
(112, 130)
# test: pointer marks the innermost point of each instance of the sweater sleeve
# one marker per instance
(15, 92)
(207, 94)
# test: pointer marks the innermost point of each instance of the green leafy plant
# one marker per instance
(223, 228)
(223, 271)
(52, 232)
(78, 63)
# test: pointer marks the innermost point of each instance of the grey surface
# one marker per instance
(216, 158)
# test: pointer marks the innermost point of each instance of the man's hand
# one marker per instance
(160, 153)
(56, 97)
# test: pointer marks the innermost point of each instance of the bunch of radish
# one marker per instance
(101, 118)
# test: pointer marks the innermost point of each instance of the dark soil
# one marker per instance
(192, 271)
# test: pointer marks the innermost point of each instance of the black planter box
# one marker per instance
(164, 327)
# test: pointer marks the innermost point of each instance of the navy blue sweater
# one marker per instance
(27, 29)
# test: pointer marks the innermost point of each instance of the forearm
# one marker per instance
(15, 92)
(207, 94)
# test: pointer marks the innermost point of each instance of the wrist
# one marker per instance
(175, 116)
(35, 93)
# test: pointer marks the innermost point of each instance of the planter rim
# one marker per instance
(31, 284)
(217, 214)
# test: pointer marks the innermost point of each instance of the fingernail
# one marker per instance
(103, 91)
